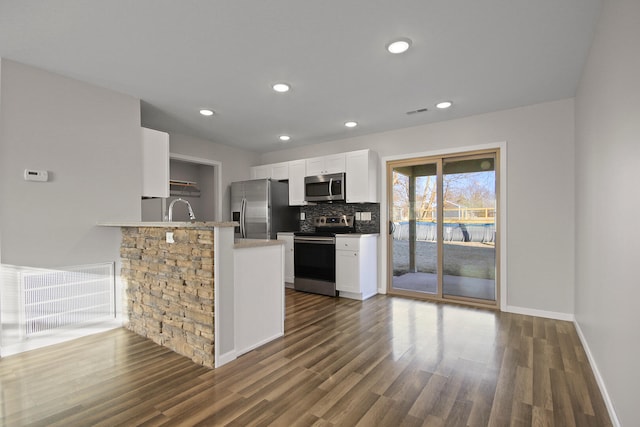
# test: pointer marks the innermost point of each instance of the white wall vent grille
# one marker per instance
(53, 299)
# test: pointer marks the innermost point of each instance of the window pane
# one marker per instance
(414, 216)
(469, 228)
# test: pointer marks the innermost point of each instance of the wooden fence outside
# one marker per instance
(460, 215)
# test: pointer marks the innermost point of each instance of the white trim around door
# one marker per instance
(217, 176)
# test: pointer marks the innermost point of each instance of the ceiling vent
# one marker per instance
(420, 110)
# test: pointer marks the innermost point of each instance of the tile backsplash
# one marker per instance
(337, 209)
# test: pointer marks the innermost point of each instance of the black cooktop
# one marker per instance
(315, 233)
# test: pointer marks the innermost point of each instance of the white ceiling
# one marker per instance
(180, 56)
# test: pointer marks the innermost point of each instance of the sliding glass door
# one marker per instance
(415, 227)
(443, 227)
(468, 249)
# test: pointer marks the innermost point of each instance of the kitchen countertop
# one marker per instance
(255, 243)
(172, 224)
(352, 235)
(292, 233)
(239, 243)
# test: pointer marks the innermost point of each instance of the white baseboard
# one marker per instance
(571, 318)
(540, 313)
(225, 358)
(59, 336)
(357, 295)
(260, 343)
(596, 372)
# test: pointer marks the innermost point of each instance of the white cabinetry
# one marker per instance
(362, 176)
(260, 172)
(155, 163)
(356, 266)
(334, 163)
(258, 297)
(288, 256)
(280, 171)
(297, 172)
(277, 171)
(361, 168)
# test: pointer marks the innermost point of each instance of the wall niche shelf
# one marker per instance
(182, 188)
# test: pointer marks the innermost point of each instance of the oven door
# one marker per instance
(315, 264)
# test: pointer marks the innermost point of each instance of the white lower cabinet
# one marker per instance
(288, 256)
(356, 266)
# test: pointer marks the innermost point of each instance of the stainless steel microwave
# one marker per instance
(324, 188)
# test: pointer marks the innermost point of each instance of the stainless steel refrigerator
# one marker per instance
(261, 207)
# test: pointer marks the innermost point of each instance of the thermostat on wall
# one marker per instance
(35, 175)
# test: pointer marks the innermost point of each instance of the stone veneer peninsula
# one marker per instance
(180, 286)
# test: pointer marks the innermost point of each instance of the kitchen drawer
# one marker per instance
(347, 243)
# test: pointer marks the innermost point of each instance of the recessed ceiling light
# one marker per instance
(281, 87)
(284, 138)
(206, 112)
(351, 124)
(444, 104)
(399, 46)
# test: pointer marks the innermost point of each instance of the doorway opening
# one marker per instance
(444, 227)
(195, 180)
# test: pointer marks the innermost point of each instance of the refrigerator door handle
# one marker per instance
(243, 231)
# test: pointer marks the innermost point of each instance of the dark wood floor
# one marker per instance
(383, 362)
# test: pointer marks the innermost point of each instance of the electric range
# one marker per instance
(315, 254)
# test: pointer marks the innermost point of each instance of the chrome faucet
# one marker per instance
(192, 216)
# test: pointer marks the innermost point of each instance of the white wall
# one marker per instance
(540, 181)
(88, 138)
(607, 155)
(235, 162)
(206, 180)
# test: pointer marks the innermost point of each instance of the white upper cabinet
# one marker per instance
(334, 163)
(297, 172)
(362, 176)
(361, 168)
(260, 172)
(155, 163)
(277, 171)
(280, 171)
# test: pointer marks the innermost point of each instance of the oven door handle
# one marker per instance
(316, 240)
